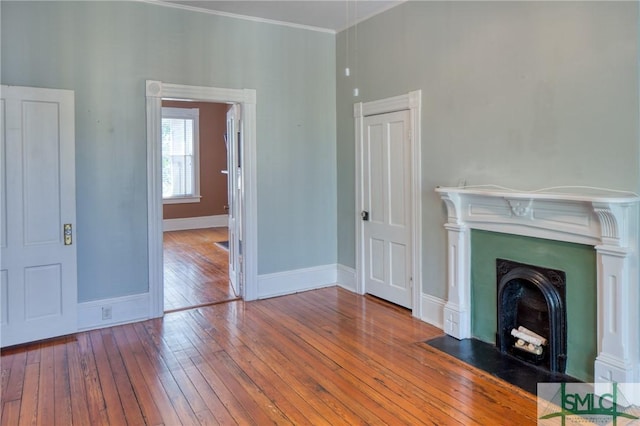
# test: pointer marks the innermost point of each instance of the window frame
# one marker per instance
(191, 114)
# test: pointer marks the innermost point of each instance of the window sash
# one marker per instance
(180, 160)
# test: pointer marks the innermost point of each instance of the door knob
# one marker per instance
(364, 215)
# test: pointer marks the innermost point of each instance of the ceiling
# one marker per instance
(329, 15)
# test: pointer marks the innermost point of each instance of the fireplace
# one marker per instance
(532, 319)
(606, 220)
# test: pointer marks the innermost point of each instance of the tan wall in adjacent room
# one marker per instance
(213, 159)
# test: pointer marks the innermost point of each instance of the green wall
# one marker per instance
(105, 50)
(576, 260)
(525, 95)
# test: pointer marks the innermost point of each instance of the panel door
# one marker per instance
(234, 182)
(386, 212)
(38, 297)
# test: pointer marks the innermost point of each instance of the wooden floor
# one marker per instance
(196, 270)
(323, 357)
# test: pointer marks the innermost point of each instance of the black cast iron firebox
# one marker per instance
(533, 297)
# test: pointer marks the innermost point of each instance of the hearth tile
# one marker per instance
(488, 358)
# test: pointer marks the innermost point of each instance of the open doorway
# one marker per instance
(196, 198)
(245, 235)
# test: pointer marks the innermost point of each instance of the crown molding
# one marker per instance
(237, 16)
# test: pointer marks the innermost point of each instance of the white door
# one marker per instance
(234, 189)
(38, 260)
(386, 207)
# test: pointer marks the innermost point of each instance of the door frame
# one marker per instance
(412, 102)
(155, 92)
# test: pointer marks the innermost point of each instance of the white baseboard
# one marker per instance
(288, 282)
(201, 222)
(124, 310)
(346, 277)
(433, 310)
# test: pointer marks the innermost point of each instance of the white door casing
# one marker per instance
(39, 272)
(234, 186)
(246, 98)
(389, 244)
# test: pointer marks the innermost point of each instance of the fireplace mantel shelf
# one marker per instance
(576, 214)
(566, 193)
(606, 220)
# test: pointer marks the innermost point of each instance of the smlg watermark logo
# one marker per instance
(616, 404)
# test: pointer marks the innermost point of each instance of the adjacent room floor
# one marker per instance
(196, 269)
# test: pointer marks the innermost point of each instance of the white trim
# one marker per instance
(605, 219)
(182, 200)
(412, 101)
(124, 310)
(155, 92)
(288, 282)
(433, 310)
(201, 222)
(346, 277)
(238, 16)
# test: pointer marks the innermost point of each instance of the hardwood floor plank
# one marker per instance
(301, 374)
(10, 413)
(154, 345)
(122, 381)
(218, 410)
(339, 385)
(5, 372)
(261, 411)
(29, 402)
(77, 388)
(296, 408)
(321, 403)
(142, 394)
(150, 376)
(35, 352)
(107, 381)
(323, 357)
(362, 373)
(46, 407)
(62, 389)
(383, 342)
(97, 408)
(15, 382)
(231, 403)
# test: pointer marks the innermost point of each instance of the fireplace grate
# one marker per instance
(532, 298)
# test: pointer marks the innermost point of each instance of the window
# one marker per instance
(180, 162)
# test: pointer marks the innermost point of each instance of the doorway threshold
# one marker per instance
(202, 305)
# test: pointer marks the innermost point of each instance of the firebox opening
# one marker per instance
(532, 314)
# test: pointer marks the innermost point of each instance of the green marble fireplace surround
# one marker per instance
(578, 261)
(591, 234)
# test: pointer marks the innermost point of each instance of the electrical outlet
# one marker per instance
(106, 313)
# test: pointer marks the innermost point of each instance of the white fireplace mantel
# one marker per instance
(606, 220)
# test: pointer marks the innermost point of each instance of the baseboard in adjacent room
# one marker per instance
(201, 222)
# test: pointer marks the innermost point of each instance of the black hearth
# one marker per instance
(531, 300)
